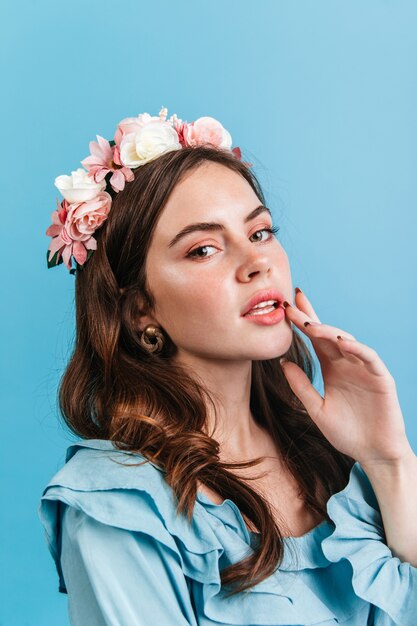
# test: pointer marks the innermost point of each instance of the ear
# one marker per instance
(144, 320)
(144, 316)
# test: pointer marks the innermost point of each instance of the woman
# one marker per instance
(212, 483)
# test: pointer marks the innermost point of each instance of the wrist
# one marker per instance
(382, 469)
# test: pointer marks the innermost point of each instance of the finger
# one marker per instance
(367, 355)
(348, 356)
(302, 387)
(314, 330)
(304, 304)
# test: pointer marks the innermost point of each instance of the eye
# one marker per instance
(193, 253)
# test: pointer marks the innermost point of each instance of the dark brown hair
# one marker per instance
(114, 389)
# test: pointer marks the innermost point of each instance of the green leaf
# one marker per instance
(53, 262)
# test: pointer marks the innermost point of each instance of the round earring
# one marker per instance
(152, 338)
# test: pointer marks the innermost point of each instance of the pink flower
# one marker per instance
(72, 227)
(206, 130)
(238, 154)
(105, 158)
(180, 127)
(84, 218)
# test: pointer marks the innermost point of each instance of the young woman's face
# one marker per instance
(200, 294)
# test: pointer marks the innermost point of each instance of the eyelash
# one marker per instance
(273, 230)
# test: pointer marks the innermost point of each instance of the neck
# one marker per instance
(229, 384)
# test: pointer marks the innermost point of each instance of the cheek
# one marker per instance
(198, 296)
(181, 293)
(282, 262)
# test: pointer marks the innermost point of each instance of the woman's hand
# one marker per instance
(360, 414)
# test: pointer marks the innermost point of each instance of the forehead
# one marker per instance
(210, 192)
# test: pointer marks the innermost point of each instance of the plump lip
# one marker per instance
(260, 296)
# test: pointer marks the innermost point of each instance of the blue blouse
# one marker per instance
(125, 558)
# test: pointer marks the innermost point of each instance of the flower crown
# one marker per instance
(88, 192)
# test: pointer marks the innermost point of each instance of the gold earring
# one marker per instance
(152, 339)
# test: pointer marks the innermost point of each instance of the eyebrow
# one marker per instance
(191, 228)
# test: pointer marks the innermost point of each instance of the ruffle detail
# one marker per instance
(305, 574)
(301, 553)
(378, 577)
(139, 499)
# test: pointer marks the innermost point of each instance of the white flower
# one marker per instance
(79, 187)
(148, 142)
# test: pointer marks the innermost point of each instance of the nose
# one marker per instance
(256, 261)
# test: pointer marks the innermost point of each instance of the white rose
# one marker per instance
(132, 124)
(148, 142)
(79, 187)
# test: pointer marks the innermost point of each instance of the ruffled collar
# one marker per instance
(308, 553)
(216, 538)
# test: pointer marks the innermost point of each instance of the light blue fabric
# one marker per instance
(126, 558)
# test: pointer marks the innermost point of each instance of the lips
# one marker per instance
(263, 295)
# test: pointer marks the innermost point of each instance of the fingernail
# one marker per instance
(311, 324)
(285, 304)
(298, 290)
(282, 361)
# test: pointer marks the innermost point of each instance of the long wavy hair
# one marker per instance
(114, 389)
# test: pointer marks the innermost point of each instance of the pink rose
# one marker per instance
(83, 219)
(61, 243)
(206, 130)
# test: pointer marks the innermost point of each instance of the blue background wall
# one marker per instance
(321, 96)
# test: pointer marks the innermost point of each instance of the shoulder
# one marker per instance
(108, 485)
(98, 465)
(101, 485)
